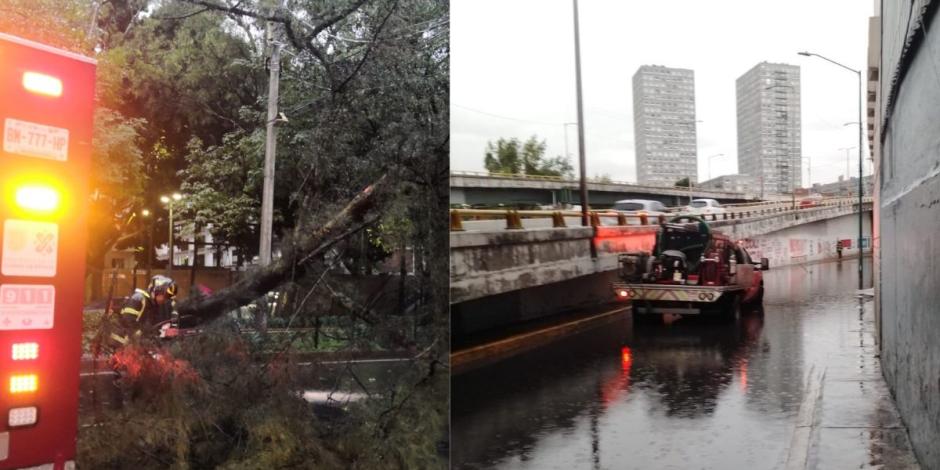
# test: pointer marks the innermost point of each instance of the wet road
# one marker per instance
(688, 395)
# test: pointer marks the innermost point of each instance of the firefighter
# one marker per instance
(146, 308)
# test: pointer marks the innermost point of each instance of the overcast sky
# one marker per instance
(512, 73)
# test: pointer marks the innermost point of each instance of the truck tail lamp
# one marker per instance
(24, 383)
(25, 351)
(25, 416)
(42, 84)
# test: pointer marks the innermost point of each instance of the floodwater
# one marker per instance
(693, 394)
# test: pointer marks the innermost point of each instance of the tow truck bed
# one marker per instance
(675, 298)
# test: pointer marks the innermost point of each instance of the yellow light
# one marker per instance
(25, 351)
(39, 198)
(42, 84)
(24, 383)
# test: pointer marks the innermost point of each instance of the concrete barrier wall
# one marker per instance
(810, 242)
(489, 263)
(909, 290)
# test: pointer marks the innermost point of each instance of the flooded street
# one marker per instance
(693, 394)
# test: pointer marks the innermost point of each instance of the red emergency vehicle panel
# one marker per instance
(46, 113)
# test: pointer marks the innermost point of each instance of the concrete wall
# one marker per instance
(909, 220)
(483, 264)
(809, 242)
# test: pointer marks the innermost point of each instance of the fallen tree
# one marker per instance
(293, 263)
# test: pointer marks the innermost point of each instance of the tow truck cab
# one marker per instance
(691, 270)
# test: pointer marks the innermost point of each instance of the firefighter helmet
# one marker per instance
(161, 284)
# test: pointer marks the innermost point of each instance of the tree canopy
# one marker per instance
(510, 156)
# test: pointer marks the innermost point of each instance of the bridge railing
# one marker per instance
(561, 218)
(561, 179)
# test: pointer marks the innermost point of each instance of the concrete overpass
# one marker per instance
(486, 188)
(530, 272)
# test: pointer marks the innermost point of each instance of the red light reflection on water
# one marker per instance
(612, 389)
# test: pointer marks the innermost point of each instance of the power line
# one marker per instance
(507, 117)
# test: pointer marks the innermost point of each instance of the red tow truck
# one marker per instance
(692, 270)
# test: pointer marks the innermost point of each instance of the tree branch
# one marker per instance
(365, 56)
(267, 278)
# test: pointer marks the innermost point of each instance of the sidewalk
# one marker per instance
(849, 419)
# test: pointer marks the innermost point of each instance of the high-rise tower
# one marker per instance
(769, 143)
(664, 125)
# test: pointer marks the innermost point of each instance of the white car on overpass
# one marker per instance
(704, 206)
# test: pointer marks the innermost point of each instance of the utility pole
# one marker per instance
(270, 144)
(581, 162)
(861, 152)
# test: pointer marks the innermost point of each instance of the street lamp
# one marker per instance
(861, 133)
(168, 200)
(145, 213)
(809, 172)
(710, 163)
(847, 170)
(567, 153)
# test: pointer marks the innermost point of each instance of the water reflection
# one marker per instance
(686, 366)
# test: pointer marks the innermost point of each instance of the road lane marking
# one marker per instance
(801, 441)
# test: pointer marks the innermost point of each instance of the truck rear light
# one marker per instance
(25, 416)
(24, 383)
(623, 293)
(25, 351)
(42, 84)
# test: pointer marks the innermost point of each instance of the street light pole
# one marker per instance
(581, 160)
(861, 151)
(168, 200)
(848, 170)
(809, 171)
(565, 125)
(146, 214)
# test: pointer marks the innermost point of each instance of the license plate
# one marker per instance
(35, 140)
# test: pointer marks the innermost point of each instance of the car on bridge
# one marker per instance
(692, 270)
(641, 207)
(704, 206)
